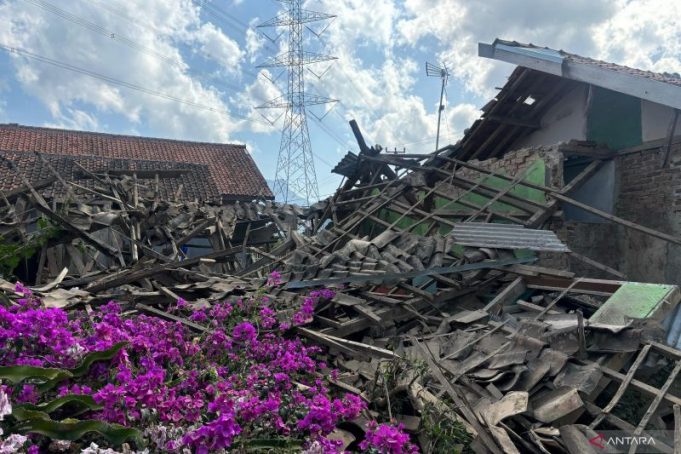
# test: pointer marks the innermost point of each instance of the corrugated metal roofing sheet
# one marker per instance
(506, 236)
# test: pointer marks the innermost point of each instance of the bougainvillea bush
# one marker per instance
(73, 380)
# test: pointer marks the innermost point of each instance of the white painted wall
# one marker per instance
(655, 121)
(565, 120)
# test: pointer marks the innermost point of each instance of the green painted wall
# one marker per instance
(614, 119)
(535, 173)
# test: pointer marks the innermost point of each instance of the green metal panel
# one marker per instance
(614, 119)
(634, 300)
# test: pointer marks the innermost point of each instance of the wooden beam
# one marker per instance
(670, 137)
(597, 265)
(508, 295)
(624, 384)
(556, 194)
(513, 121)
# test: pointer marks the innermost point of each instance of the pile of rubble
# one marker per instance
(442, 304)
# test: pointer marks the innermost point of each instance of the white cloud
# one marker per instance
(218, 46)
(642, 33)
(155, 27)
(254, 42)
(75, 119)
(377, 94)
(360, 22)
(257, 94)
(380, 46)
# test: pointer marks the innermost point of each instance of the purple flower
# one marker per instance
(244, 332)
(198, 316)
(387, 439)
(215, 435)
(267, 319)
(204, 390)
(274, 279)
(21, 290)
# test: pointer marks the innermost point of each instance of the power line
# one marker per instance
(220, 14)
(94, 27)
(230, 20)
(114, 81)
(103, 4)
(343, 143)
(101, 30)
(122, 39)
(295, 164)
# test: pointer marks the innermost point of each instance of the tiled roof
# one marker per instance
(673, 79)
(230, 166)
(196, 181)
(667, 78)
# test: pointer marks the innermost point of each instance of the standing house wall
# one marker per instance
(640, 189)
(645, 193)
(564, 121)
(651, 196)
(656, 121)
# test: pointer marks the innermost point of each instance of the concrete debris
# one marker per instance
(426, 314)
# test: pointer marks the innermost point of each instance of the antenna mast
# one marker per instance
(295, 165)
(441, 72)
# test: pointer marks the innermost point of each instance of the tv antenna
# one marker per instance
(441, 72)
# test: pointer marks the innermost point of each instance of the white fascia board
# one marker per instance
(516, 56)
(640, 87)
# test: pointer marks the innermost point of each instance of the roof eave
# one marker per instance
(640, 87)
(509, 54)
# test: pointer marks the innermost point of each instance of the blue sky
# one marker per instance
(204, 54)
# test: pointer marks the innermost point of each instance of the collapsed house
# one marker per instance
(214, 171)
(458, 295)
(632, 119)
(189, 182)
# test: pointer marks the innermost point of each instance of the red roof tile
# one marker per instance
(194, 179)
(231, 166)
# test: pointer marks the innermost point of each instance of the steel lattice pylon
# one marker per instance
(295, 165)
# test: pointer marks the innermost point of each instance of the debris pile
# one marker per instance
(442, 315)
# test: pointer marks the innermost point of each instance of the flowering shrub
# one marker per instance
(246, 378)
(387, 439)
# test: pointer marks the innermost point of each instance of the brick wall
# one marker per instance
(515, 162)
(646, 194)
(651, 196)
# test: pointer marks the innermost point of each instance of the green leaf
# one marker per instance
(81, 403)
(24, 414)
(104, 355)
(73, 430)
(277, 444)
(48, 376)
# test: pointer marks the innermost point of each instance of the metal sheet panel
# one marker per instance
(506, 236)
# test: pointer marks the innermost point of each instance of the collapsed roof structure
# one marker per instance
(452, 297)
(221, 170)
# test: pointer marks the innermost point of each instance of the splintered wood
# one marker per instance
(428, 315)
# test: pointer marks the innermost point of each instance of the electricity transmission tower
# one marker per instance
(295, 166)
(441, 72)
